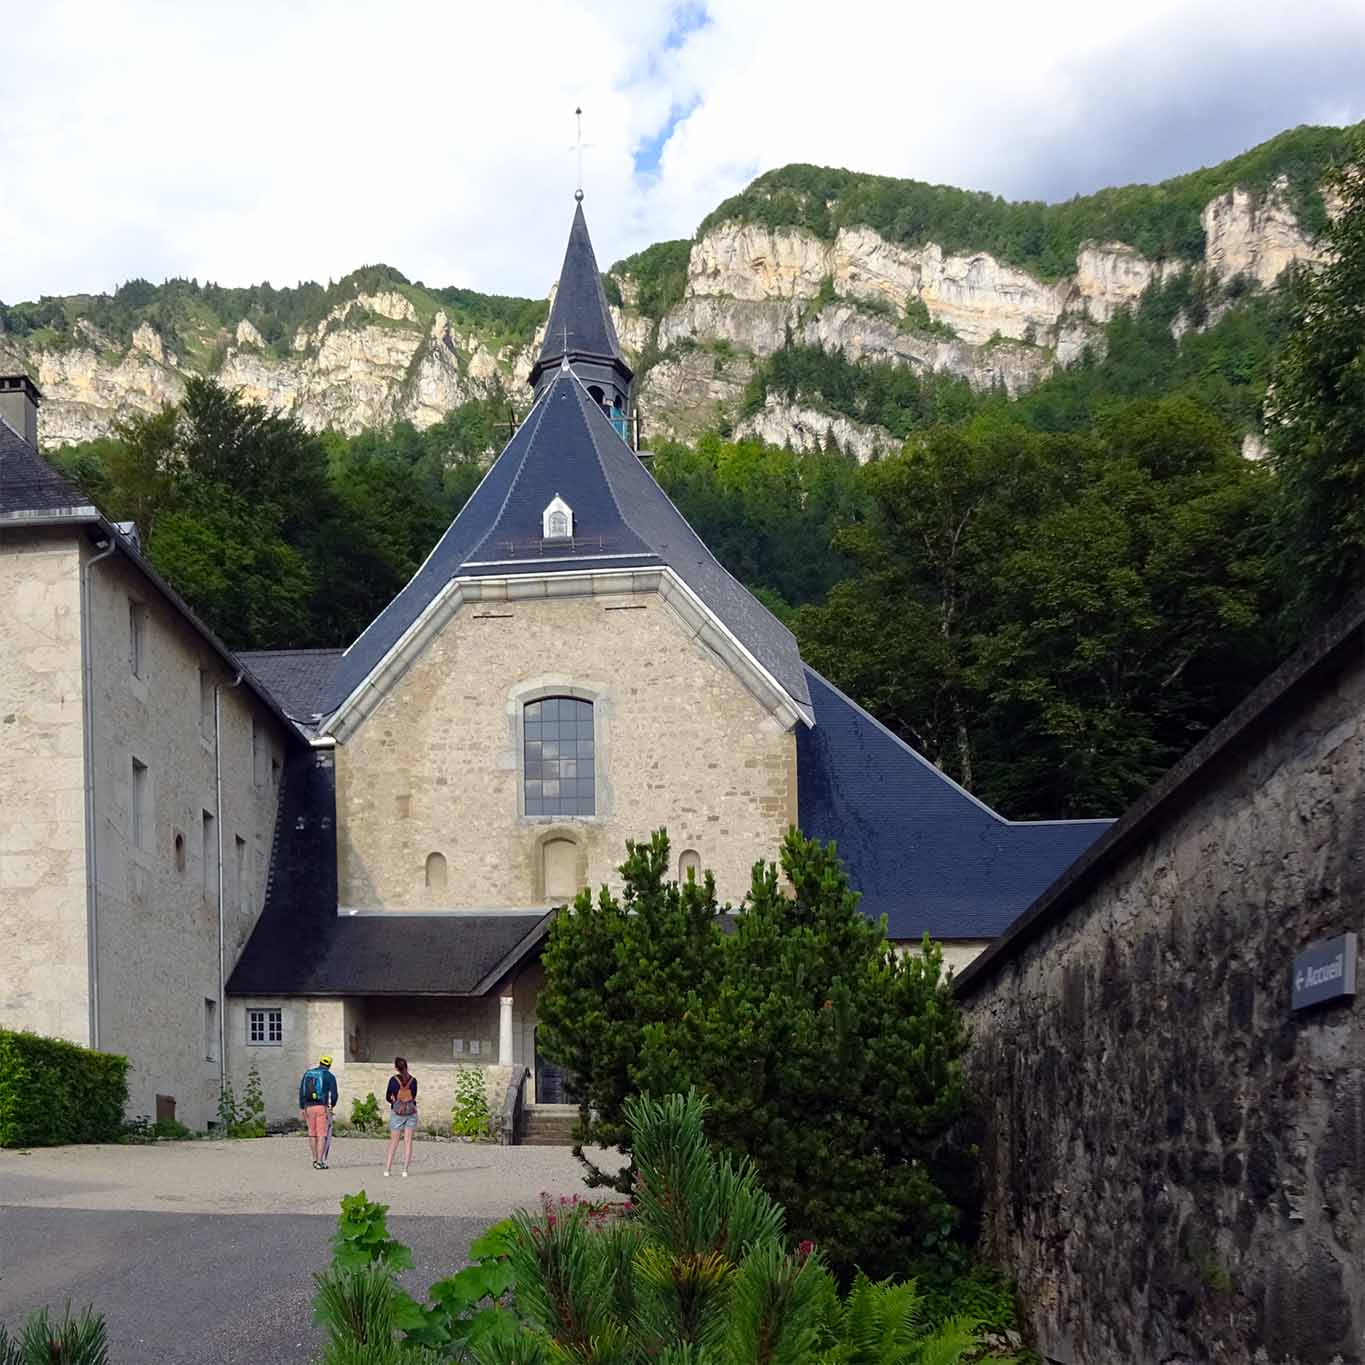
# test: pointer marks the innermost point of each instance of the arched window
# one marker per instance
(559, 866)
(689, 865)
(559, 761)
(559, 524)
(436, 871)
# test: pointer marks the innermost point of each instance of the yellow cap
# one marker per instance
(324, 1060)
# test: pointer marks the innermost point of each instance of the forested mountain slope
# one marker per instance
(937, 295)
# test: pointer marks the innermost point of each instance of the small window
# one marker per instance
(180, 853)
(211, 1030)
(240, 878)
(559, 760)
(436, 871)
(140, 824)
(205, 702)
(689, 865)
(557, 520)
(265, 1028)
(274, 772)
(137, 637)
(259, 754)
(210, 854)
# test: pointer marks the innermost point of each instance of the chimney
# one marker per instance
(19, 399)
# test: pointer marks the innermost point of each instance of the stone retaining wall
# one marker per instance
(1174, 1161)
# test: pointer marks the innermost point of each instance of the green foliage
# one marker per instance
(196, 320)
(876, 393)
(917, 319)
(244, 1118)
(1074, 610)
(469, 1114)
(769, 515)
(276, 536)
(79, 1340)
(1162, 221)
(362, 1237)
(1318, 421)
(365, 1114)
(53, 1092)
(824, 1055)
(660, 274)
(697, 1271)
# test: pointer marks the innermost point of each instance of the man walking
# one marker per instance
(317, 1099)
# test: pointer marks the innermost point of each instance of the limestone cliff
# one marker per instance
(396, 352)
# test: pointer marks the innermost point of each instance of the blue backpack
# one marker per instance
(315, 1085)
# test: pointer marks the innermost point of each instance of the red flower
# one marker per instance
(805, 1248)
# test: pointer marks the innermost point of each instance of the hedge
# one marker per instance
(53, 1092)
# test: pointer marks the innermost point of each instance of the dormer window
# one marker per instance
(557, 519)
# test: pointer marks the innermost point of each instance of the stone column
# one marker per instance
(505, 1032)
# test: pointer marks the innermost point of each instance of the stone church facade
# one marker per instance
(570, 668)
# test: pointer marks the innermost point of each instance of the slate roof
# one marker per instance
(301, 946)
(580, 306)
(31, 488)
(922, 851)
(622, 519)
(296, 678)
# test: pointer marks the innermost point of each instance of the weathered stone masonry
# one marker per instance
(1174, 1163)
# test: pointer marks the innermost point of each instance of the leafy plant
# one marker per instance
(469, 1115)
(365, 1114)
(362, 1237)
(244, 1118)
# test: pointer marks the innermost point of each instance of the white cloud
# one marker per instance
(272, 140)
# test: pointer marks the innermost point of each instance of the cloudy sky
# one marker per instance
(299, 139)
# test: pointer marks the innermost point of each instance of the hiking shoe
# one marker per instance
(322, 1165)
(317, 1165)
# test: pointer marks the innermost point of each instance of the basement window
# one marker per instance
(265, 1028)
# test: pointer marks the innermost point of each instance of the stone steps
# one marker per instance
(549, 1125)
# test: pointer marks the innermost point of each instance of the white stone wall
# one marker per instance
(44, 967)
(157, 911)
(681, 743)
(418, 1029)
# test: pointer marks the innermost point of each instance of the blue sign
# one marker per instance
(1325, 971)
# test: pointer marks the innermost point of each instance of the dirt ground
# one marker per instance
(274, 1175)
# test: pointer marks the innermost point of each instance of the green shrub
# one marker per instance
(73, 1341)
(699, 1269)
(365, 1115)
(244, 1118)
(469, 1116)
(53, 1092)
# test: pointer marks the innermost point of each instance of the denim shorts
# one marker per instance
(397, 1122)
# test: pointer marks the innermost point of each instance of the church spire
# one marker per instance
(580, 328)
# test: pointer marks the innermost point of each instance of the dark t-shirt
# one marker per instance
(392, 1093)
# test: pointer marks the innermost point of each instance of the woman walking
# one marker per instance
(402, 1100)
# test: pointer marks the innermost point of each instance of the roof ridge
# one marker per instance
(543, 404)
(582, 394)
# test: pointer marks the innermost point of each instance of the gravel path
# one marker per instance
(205, 1251)
(275, 1176)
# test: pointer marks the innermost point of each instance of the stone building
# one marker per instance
(569, 668)
(1174, 1146)
(140, 771)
